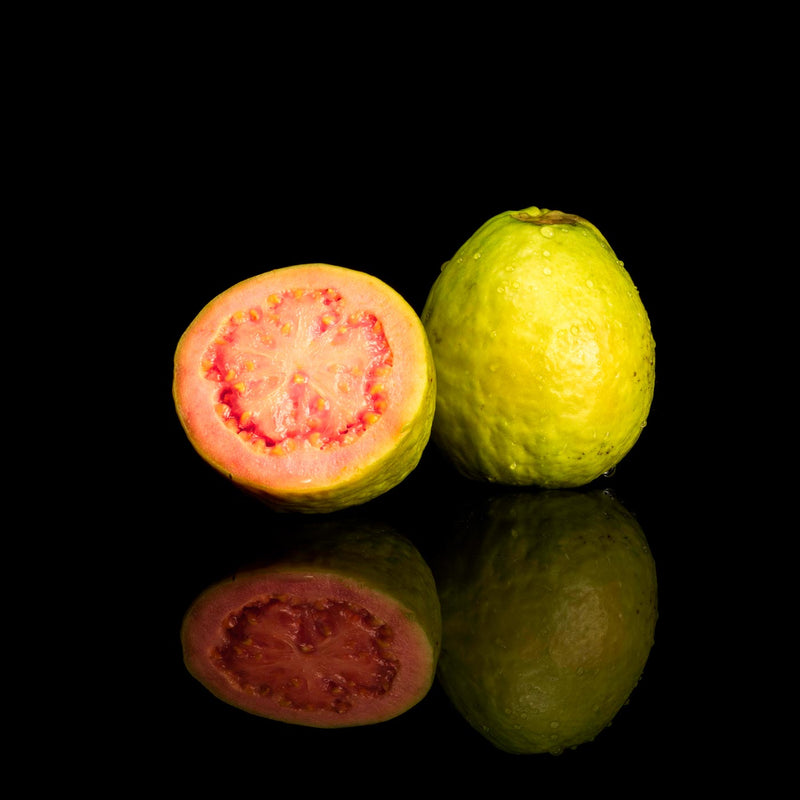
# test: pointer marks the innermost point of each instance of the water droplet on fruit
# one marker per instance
(546, 253)
(589, 283)
(547, 271)
(609, 472)
(547, 231)
(476, 256)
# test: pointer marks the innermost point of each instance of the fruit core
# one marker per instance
(308, 655)
(298, 369)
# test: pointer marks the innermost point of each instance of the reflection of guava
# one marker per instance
(549, 613)
(341, 627)
(543, 350)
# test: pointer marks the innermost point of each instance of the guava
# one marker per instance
(544, 353)
(549, 607)
(341, 629)
(311, 386)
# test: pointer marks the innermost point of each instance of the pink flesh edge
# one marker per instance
(204, 630)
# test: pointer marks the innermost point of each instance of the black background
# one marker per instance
(389, 186)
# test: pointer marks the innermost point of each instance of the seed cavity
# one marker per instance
(299, 371)
(319, 655)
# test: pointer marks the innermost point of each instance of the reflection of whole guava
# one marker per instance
(549, 612)
(544, 355)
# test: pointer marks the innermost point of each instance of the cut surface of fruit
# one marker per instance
(312, 386)
(273, 646)
(328, 638)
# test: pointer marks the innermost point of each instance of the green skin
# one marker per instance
(549, 611)
(544, 356)
(375, 556)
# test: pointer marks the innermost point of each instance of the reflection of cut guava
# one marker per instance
(549, 611)
(343, 629)
(544, 355)
(311, 386)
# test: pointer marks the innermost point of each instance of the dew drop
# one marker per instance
(547, 271)
(609, 472)
(547, 231)
(589, 283)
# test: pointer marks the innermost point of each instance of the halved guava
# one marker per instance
(343, 630)
(549, 608)
(312, 386)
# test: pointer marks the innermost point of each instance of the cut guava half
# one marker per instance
(311, 386)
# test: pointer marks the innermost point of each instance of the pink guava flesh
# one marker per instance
(316, 650)
(297, 368)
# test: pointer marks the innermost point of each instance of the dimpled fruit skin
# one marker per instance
(543, 349)
(549, 611)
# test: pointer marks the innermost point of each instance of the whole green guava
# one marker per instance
(544, 355)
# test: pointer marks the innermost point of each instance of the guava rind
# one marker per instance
(549, 608)
(369, 565)
(544, 353)
(304, 482)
